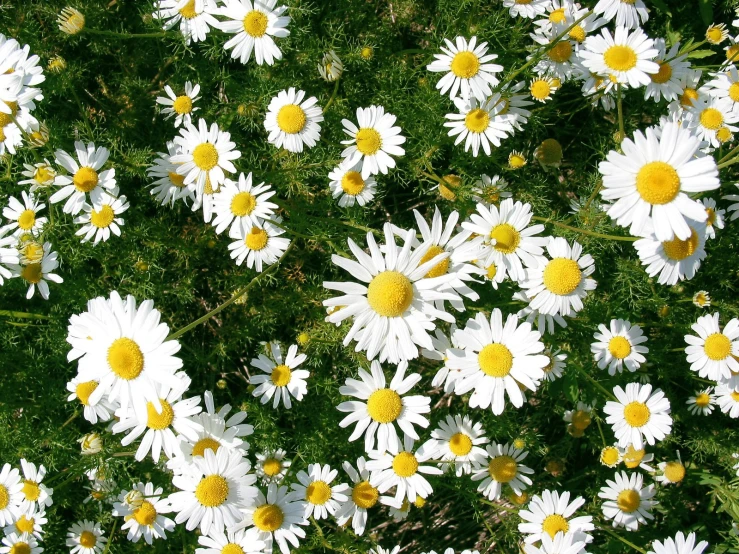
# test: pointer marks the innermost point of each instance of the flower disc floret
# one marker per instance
(465, 65)
(159, 420)
(212, 491)
(390, 293)
(268, 517)
(503, 469)
(562, 276)
(636, 414)
(255, 24)
(495, 360)
(125, 358)
(384, 405)
(85, 179)
(405, 464)
(369, 141)
(291, 118)
(365, 495)
(205, 156)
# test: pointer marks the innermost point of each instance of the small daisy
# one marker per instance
(37, 273)
(36, 495)
(545, 323)
(90, 444)
(100, 218)
(542, 88)
(690, 91)
(716, 34)
(725, 85)
(728, 400)
(702, 403)
(445, 377)
(516, 160)
(490, 190)
(144, 516)
(32, 523)
(713, 352)
(479, 123)
(86, 537)
(636, 458)
(639, 415)
(503, 468)
(70, 20)
(629, 14)
(237, 542)
(85, 176)
(10, 137)
(665, 83)
(551, 513)
(627, 502)
(579, 419)
(528, 9)
(679, 545)
(363, 497)
(330, 67)
(610, 456)
(292, 121)
(559, 61)
(260, 245)
(321, 498)
(272, 466)
(182, 106)
(281, 379)
(23, 217)
(707, 115)
(348, 185)
(275, 517)
(672, 472)
(195, 17)
(491, 273)
(457, 442)
(242, 205)
(11, 491)
(619, 346)
(563, 543)
(627, 58)
(381, 408)
(22, 543)
(468, 69)
(674, 259)
(254, 23)
(373, 141)
(40, 175)
(714, 217)
(169, 185)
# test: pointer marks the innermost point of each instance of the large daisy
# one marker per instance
(276, 517)
(22, 543)
(639, 415)
(627, 501)
(551, 513)
(84, 176)
(503, 468)
(619, 346)
(480, 123)
(279, 379)
(373, 140)
(457, 442)
(713, 352)
(292, 121)
(675, 259)
(625, 57)
(315, 487)
(712, 119)
(254, 23)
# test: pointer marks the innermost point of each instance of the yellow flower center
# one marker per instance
(352, 183)
(581, 420)
(255, 24)
(495, 360)
(516, 161)
(271, 467)
(507, 238)
(31, 490)
(291, 119)
(204, 444)
(439, 269)
(735, 396)
(125, 358)
(636, 414)
(561, 52)
(212, 491)
(710, 217)
(732, 52)
(256, 239)
(268, 517)
(687, 97)
(369, 141)
(103, 218)
(663, 75)
(540, 89)
(366, 53)
(724, 134)
(88, 539)
(318, 492)
(460, 444)
(365, 495)
(390, 293)
(620, 58)
(628, 501)
(465, 65)
(280, 376)
(674, 472)
(384, 405)
(205, 156)
(711, 119)
(609, 456)
(232, 548)
(188, 10)
(4, 497)
(553, 524)
(43, 174)
(477, 120)
(523, 2)
(503, 469)
(177, 179)
(578, 34)
(562, 276)
(27, 220)
(491, 271)
(145, 514)
(85, 179)
(619, 347)
(405, 464)
(32, 273)
(677, 249)
(734, 92)
(702, 400)
(156, 420)
(633, 457)
(25, 524)
(182, 104)
(717, 346)
(20, 548)
(243, 204)
(714, 35)
(558, 16)
(657, 183)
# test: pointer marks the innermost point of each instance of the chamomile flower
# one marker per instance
(242, 205)
(516, 160)
(636, 458)
(456, 441)
(214, 491)
(545, 323)
(707, 115)
(272, 466)
(90, 444)
(11, 491)
(292, 122)
(733, 209)
(629, 14)
(363, 497)
(237, 542)
(702, 403)
(712, 353)
(672, 472)
(330, 67)
(528, 9)
(254, 23)
(651, 181)
(10, 137)
(35, 494)
(727, 399)
(280, 380)
(38, 272)
(675, 259)
(85, 176)
(468, 68)
(627, 501)
(639, 415)
(145, 516)
(40, 175)
(31, 523)
(259, 245)
(503, 467)
(627, 58)
(551, 513)
(381, 408)
(100, 218)
(715, 217)
(22, 543)
(275, 517)
(348, 185)
(610, 456)
(180, 106)
(194, 17)
(490, 190)
(579, 419)
(70, 20)
(86, 537)
(725, 85)
(321, 497)
(491, 273)
(169, 185)
(690, 91)
(665, 83)
(555, 368)
(373, 140)
(445, 376)
(23, 217)
(619, 346)
(716, 34)
(479, 123)
(542, 88)
(679, 545)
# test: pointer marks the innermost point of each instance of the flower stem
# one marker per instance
(623, 540)
(333, 95)
(110, 537)
(584, 231)
(597, 385)
(621, 131)
(127, 36)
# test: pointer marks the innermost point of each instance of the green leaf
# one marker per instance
(697, 54)
(705, 7)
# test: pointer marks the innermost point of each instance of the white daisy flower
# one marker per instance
(671, 472)
(363, 497)
(490, 273)
(597, 89)
(555, 368)
(79, 332)
(280, 379)
(36, 495)
(214, 491)
(322, 499)
(468, 69)
(373, 141)
(627, 502)
(702, 403)
(395, 311)
(30, 523)
(86, 537)
(330, 67)
(690, 91)
(665, 83)
(348, 185)
(560, 60)
(629, 14)
(38, 272)
(503, 468)
(169, 185)
(653, 177)
(679, 545)
(479, 123)
(381, 408)
(40, 175)
(242, 205)
(144, 517)
(237, 542)
(715, 217)
(563, 543)
(639, 415)
(497, 359)
(675, 259)
(23, 217)
(610, 456)
(708, 115)
(195, 17)
(545, 323)
(22, 543)
(456, 441)
(627, 58)
(619, 346)
(292, 121)
(445, 377)
(254, 23)
(725, 84)
(11, 492)
(712, 354)
(100, 218)
(260, 245)
(381, 550)
(180, 106)
(550, 514)
(275, 517)
(727, 399)
(272, 466)
(528, 9)
(10, 137)
(579, 419)
(514, 103)
(85, 176)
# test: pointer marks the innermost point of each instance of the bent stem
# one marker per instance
(584, 231)
(333, 95)
(238, 294)
(623, 540)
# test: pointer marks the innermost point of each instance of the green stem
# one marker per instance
(127, 36)
(593, 195)
(623, 540)
(333, 95)
(730, 154)
(600, 430)
(110, 537)
(597, 385)
(70, 420)
(728, 163)
(23, 315)
(621, 131)
(584, 231)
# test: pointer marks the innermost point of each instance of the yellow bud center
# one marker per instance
(460, 444)
(657, 183)
(156, 420)
(369, 141)
(619, 347)
(503, 469)
(352, 183)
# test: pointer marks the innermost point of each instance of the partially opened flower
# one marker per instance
(194, 17)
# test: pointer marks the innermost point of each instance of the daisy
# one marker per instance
(398, 466)
(542, 88)
(528, 9)
(708, 115)
(237, 542)
(373, 141)
(254, 23)
(86, 537)
(71, 21)
(665, 83)
(37, 272)
(214, 492)
(653, 177)
(381, 408)
(348, 185)
(636, 458)
(281, 379)
(610, 456)
(144, 516)
(10, 137)
(11, 492)
(716, 34)
(551, 513)
(728, 400)
(468, 69)
(516, 160)
(479, 123)
(702, 403)
(619, 346)
(260, 245)
(195, 17)
(714, 217)
(639, 415)
(291, 121)
(555, 368)
(672, 471)
(712, 353)
(679, 545)
(85, 176)
(490, 190)
(272, 466)
(629, 14)
(31, 523)
(690, 91)
(559, 285)
(182, 106)
(100, 219)
(579, 419)
(321, 498)
(675, 259)
(627, 502)
(445, 377)
(395, 311)
(559, 61)
(504, 468)
(169, 185)
(330, 67)
(457, 442)
(22, 543)
(242, 205)
(23, 217)
(491, 273)
(363, 497)
(275, 517)
(725, 85)
(40, 175)
(36, 495)
(563, 543)
(90, 444)
(514, 100)
(544, 322)
(627, 58)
